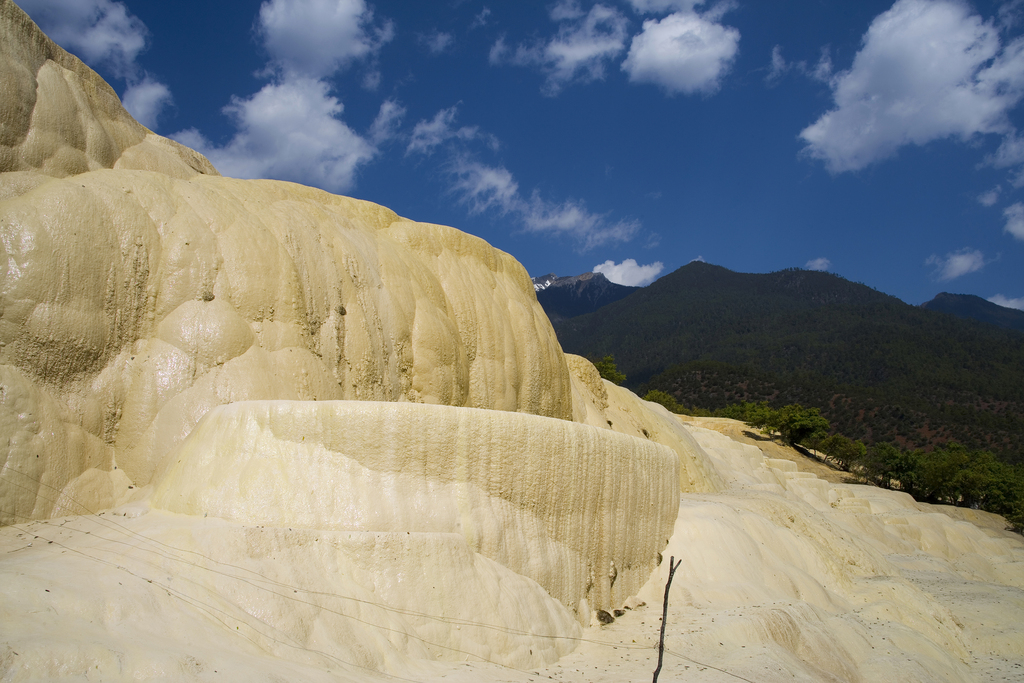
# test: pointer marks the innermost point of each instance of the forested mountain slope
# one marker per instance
(878, 368)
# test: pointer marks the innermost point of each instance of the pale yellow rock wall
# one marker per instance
(137, 302)
(60, 118)
(599, 403)
(582, 511)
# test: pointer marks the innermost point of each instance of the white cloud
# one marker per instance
(683, 53)
(928, 69)
(629, 273)
(436, 42)
(485, 188)
(315, 38)
(427, 135)
(1009, 154)
(288, 131)
(292, 128)
(1001, 300)
(818, 264)
(1014, 215)
(577, 53)
(699, 259)
(572, 219)
(99, 32)
(956, 264)
(991, 197)
(146, 100)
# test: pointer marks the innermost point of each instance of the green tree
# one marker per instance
(761, 416)
(842, 451)
(893, 468)
(799, 425)
(606, 366)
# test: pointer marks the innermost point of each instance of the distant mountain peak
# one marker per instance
(567, 297)
(975, 308)
(542, 282)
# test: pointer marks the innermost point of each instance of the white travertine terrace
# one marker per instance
(582, 511)
(259, 432)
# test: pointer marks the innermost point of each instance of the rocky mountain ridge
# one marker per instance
(974, 307)
(568, 297)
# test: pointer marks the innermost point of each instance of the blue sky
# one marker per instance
(881, 141)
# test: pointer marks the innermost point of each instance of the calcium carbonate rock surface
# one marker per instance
(139, 302)
(134, 301)
(258, 432)
(58, 117)
(582, 511)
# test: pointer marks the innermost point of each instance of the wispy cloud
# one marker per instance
(629, 272)
(385, 124)
(436, 42)
(428, 135)
(493, 188)
(928, 69)
(484, 187)
(1010, 154)
(1014, 215)
(665, 5)
(818, 264)
(956, 264)
(579, 52)
(778, 67)
(991, 197)
(481, 19)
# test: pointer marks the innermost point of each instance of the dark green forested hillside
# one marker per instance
(878, 369)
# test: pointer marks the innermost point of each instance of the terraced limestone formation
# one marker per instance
(255, 431)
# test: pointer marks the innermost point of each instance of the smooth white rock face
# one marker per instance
(582, 511)
(143, 297)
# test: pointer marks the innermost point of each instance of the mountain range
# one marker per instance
(878, 369)
(567, 297)
(975, 308)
